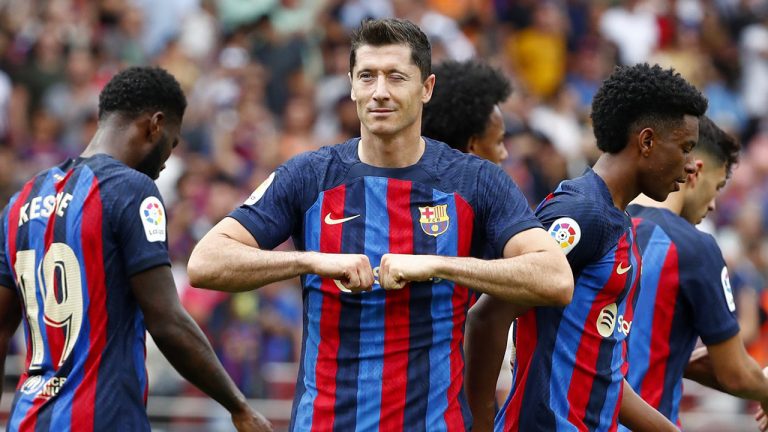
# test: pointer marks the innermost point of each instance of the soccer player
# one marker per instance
(569, 372)
(390, 230)
(464, 110)
(685, 291)
(84, 262)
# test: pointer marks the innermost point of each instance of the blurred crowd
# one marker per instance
(267, 79)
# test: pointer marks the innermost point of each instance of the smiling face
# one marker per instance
(388, 90)
(667, 158)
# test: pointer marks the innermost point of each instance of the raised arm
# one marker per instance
(10, 317)
(533, 271)
(228, 258)
(186, 347)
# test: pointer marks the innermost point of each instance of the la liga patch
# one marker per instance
(259, 192)
(566, 233)
(153, 218)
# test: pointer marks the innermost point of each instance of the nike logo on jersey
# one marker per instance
(621, 271)
(330, 221)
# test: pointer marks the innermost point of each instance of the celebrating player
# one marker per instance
(569, 369)
(686, 293)
(389, 229)
(84, 261)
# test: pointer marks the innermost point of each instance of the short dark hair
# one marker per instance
(462, 101)
(138, 90)
(641, 95)
(394, 31)
(718, 144)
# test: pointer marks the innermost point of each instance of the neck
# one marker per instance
(621, 182)
(399, 151)
(673, 203)
(111, 138)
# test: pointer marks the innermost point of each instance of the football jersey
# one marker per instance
(684, 294)
(72, 238)
(570, 360)
(385, 359)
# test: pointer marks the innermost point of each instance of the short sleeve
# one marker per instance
(504, 208)
(706, 287)
(6, 277)
(274, 209)
(576, 226)
(138, 219)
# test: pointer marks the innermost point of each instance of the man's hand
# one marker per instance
(249, 420)
(398, 270)
(762, 419)
(350, 272)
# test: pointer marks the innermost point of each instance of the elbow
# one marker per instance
(562, 290)
(735, 382)
(198, 270)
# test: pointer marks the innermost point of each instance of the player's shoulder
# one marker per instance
(116, 178)
(585, 198)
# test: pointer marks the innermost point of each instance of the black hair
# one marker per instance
(718, 144)
(462, 101)
(641, 96)
(138, 90)
(393, 31)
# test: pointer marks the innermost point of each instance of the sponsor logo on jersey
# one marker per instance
(36, 385)
(153, 219)
(566, 233)
(259, 192)
(434, 220)
(331, 221)
(726, 281)
(608, 320)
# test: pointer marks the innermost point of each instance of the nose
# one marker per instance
(503, 153)
(712, 206)
(381, 92)
(690, 164)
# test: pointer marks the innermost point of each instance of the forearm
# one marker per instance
(532, 279)
(751, 383)
(227, 265)
(638, 416)
(487, 328)
(189, 352)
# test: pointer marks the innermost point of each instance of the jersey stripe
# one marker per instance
(396, 311)
(369, 385)
(328, 347)
(525, 343)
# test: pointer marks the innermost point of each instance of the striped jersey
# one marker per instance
(685, 294)
(570, 360)
(72, 238)
(385, 360)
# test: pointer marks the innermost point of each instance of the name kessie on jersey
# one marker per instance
(44, 207)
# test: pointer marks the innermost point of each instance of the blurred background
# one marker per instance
(267, 79)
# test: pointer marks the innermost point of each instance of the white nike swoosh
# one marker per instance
(621, 271)
(331, 221)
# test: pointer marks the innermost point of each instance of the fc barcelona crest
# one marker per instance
(434, 220)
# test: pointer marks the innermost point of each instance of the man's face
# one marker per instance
(490, 145)
(154, 161)
(703, 190)
(669, 159)
(388, 89)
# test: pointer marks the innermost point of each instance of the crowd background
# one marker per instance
(267, 79)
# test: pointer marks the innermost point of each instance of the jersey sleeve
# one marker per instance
(706, 287)
(575, 224)
(6, 277)
(274, 209)
(139, 222)
(504, 208)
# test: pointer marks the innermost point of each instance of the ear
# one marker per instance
(645, 141)
(693, 179)
(472, 144)
(156, 122)
(351, 88)
(428, 87)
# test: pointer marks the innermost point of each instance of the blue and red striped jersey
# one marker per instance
(385, 360)
(73, 236)
(684, 294)
(570, 360)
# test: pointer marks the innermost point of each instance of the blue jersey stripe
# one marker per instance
(442, 324)
(639, 348)
(352, 242)
(369, 384)
(421, 319)
(313, 302)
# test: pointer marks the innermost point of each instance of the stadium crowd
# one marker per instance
(267, 79)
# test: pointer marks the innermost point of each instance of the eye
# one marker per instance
(397, 77)
(365, 76)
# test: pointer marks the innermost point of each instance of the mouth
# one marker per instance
(380, 111)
